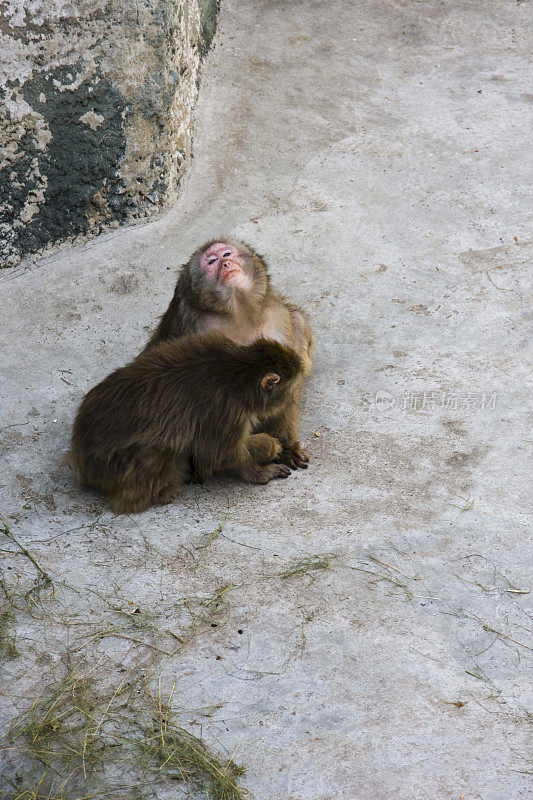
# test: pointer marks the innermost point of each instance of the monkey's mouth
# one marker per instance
(231, 272)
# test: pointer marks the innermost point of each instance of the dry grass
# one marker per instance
(100, 731)
(466, 504)
(8, 641)
(307, 565)
(209, 538)
(43, 579)
(80, 739)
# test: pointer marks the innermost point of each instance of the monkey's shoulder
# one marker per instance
(186, 352)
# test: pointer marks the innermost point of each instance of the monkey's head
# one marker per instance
(224, 270)
(275, 369)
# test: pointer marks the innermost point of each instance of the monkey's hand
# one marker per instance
(294, 456)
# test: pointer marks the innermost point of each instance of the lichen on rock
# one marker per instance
(96, 113)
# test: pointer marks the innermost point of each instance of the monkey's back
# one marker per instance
(164, 393)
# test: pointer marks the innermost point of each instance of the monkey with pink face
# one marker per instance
(225, 288)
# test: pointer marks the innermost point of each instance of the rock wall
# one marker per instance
(96, 104)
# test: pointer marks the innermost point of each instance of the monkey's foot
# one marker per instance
(195, 478)
(167, 495)
(266, 473)
(280, 471)
(264, 449)
(294, 456)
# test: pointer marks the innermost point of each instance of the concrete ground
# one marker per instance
(373, 635)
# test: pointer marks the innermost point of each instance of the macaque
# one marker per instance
(190, 400)
(225, 287)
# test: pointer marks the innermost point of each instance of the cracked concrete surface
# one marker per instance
(376, 154)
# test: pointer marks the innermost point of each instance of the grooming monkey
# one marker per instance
(194, 399)
(225, 287)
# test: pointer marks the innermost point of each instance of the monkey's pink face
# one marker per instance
(222, 263)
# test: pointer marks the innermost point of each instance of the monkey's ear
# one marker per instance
(269, 380)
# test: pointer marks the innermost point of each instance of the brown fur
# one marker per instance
(196, 400)
(199, 306)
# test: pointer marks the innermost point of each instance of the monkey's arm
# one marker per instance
(303, 339)
(284, 426)
(179, 319)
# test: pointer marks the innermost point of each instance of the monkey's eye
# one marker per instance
(226, 255)
(212, 260)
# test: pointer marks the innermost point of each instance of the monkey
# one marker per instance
(225, 286)
(196, 399)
